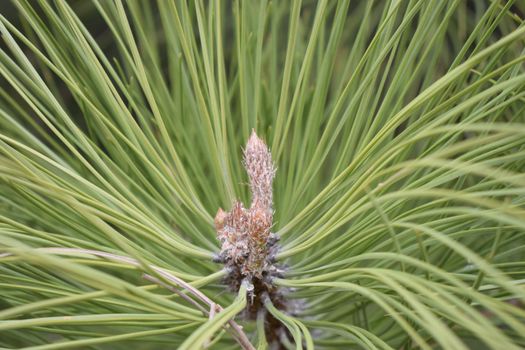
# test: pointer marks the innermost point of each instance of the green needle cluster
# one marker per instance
(396, 131)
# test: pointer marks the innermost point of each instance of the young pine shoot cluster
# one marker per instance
(385, 208)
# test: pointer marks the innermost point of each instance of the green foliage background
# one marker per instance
(397, 128)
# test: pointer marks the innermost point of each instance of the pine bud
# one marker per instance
(245, 233)
(259, 166)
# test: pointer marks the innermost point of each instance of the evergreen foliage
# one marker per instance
(397, 129)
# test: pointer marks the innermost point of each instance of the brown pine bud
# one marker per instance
(261, 171)
(244, 233)
(219, 219)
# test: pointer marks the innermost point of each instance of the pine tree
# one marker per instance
(262, 174)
